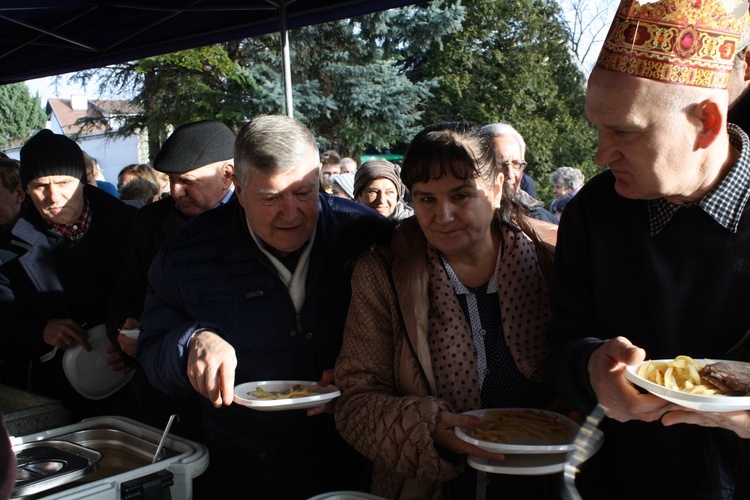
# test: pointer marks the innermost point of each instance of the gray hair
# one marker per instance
(505, 130)
(348, 160)
(272, 144)
(570, 178)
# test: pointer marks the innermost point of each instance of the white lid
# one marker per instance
(88, 372)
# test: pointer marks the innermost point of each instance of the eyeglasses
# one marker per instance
(517, 165)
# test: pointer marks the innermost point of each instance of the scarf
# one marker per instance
(76, 230)
(295, 283)
(524, 302)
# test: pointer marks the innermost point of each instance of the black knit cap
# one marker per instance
(194, 145)
(48, 153)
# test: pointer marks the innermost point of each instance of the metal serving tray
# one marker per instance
(121, 451)
(46, 464)
(127, 448)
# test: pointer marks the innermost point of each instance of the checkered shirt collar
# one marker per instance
(725, 202)
(77, 230)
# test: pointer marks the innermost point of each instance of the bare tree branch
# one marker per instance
(588, 22)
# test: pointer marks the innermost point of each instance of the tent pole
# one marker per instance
(287, 60)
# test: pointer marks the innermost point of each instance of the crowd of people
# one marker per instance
(422, 290)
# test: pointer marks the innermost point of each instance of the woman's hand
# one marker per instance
(444, 435)
(325, 380)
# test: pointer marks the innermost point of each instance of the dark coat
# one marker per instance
(212, 275)
(44, 276)
(683, 291)
(152, 225)
(151, 228)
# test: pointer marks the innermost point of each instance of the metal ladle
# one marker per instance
(163, 437)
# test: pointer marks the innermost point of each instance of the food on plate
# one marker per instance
(296, 391)
(502, 426)
(681, 374)
(731, 377)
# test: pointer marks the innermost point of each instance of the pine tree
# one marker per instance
(21, 115)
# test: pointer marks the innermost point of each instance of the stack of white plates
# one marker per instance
(525, 455)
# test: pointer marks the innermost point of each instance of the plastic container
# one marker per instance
(125, 470)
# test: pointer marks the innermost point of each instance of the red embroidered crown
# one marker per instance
(685, 42)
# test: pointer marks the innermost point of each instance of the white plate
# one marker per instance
(326, 394)
(88, 372)
(528, 465)
(522, 444)
(693, 401)
(520, 465)
(346, 495)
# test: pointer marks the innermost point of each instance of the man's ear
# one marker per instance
(228, 173)
(713, 122)
(746, 57)
(497, 189)
(228, 168)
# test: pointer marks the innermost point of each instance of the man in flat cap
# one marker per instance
(653, 254)
(198, 158)
(58, 265)
(257, 290)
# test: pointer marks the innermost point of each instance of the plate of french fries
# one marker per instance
(678, 381)
(520, 431)
(280, 395)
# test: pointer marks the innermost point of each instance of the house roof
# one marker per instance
(49, 37)
(79, 122)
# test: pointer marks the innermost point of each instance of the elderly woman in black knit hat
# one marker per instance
(377, 184)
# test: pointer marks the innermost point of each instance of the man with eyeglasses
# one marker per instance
(330, 167)
(510, 149)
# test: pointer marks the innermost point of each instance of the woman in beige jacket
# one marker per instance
(448, 318)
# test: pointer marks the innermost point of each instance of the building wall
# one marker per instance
(111, 153)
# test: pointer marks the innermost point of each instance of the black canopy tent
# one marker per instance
(49, 37)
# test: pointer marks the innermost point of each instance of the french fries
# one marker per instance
(296, 391)
(681, 374)
(501, 426)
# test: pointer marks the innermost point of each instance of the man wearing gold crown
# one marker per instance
(653, 255)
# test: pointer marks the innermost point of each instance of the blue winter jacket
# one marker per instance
(212, 275)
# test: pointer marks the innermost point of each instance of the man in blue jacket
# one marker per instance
(256, 290)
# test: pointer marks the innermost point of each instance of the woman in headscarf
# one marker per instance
(377, 185)
(448, 318)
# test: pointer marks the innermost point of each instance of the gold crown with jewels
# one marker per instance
(685, 42)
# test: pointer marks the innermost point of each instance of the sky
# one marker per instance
(46, 88)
